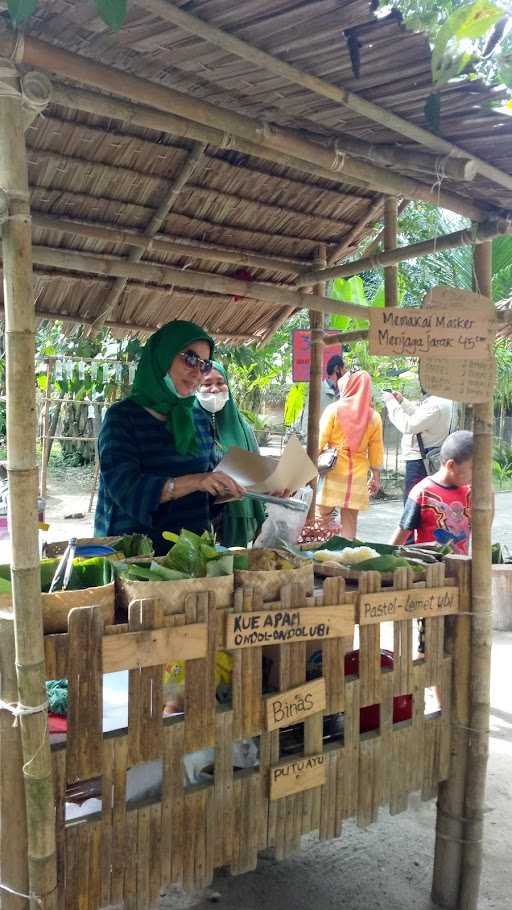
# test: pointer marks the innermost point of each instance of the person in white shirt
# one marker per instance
(431, 416)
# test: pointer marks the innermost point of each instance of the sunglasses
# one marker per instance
(194, 362)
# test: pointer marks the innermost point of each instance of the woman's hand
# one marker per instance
(374, 483)
(217, 483)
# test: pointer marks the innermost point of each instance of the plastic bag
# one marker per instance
(283, 524)
(174, 682)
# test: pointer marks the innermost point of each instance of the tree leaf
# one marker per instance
(113, 12)
(19, 10)
(432, 111)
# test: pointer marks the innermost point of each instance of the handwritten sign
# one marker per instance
(295, 704)
(276, 627)
(396, 605)
(471, 381)
(468, 380)
(301, 354)
(459, 334)
(296, 776)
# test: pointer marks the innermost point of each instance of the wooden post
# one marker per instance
(450, 801)
(390, 243)
(45, 456)
(13, 823)
(23, 489)
(316, 325)
(481, 605)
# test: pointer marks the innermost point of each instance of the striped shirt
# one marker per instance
(137, 456)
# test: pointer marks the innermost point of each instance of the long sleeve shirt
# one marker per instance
(431, 417)
(137, 456)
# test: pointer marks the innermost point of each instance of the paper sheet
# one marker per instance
(294, 469)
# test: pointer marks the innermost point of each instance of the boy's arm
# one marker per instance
(410, 520)
(399, 536)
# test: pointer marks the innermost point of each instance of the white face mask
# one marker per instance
(212, 401)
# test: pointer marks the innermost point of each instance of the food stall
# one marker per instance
(266, 181)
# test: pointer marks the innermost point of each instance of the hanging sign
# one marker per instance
(301, 354)
(457, 333)
(295, 704)
(397, 605)
(470, 380)
(276, 627)
(296, 776)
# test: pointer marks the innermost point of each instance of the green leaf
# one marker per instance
(294, 404)
(468, 23)
(432, 111)
(19, 10)
(113, 12)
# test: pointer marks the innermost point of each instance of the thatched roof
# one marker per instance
(108, 172)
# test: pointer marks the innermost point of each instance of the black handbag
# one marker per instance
(326, 460)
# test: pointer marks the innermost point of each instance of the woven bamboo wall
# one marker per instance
(126, 853)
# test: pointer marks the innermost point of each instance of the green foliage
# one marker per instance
(113, 12)
(295, 402)
(453, 48)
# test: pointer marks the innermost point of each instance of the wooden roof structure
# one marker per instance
(192, 164)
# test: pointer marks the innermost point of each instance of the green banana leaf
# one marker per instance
(135, 545)
(86, 573)
(385, 563)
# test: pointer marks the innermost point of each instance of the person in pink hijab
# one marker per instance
(353, 427)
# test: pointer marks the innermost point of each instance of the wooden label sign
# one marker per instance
(295, 704)
(277, 627)
(296, 776)
(393, 605)
(443, 332)
(470, 380)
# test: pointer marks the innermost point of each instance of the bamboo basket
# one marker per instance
(57, 606)
(502, 597)
(173, 594)
(268, 583)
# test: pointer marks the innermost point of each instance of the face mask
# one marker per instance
(212, 401)
(172, 388)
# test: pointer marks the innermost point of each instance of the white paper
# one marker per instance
(267, 474)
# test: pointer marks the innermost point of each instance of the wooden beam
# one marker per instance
(346, 337)
(390, 243)
(191, 163)
(135, 328)
(162, 243)
(233, 125)
(352, 238)
(461, 169)
(22, 471)
(153, 273)
(164, 122)
(171, 13)
(316, 325)
(477, 234)
(477, 733)
(375, 244)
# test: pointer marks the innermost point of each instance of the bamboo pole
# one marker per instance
(166, 245)
(165, 122)
(316, 327)
(13, 818)
(450, 800)
(91, 264)
(410, 159)
(191, 163)
(390, 243)
(346, 337)
(23, 490)
(229, 42)
(350, 240)
(46, 413)
(481, 625)
(234, 126)
(374, 246)
(478, 233)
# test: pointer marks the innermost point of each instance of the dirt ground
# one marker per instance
(390, 864)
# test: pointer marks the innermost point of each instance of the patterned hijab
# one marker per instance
(354, 410)
(149, 389)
